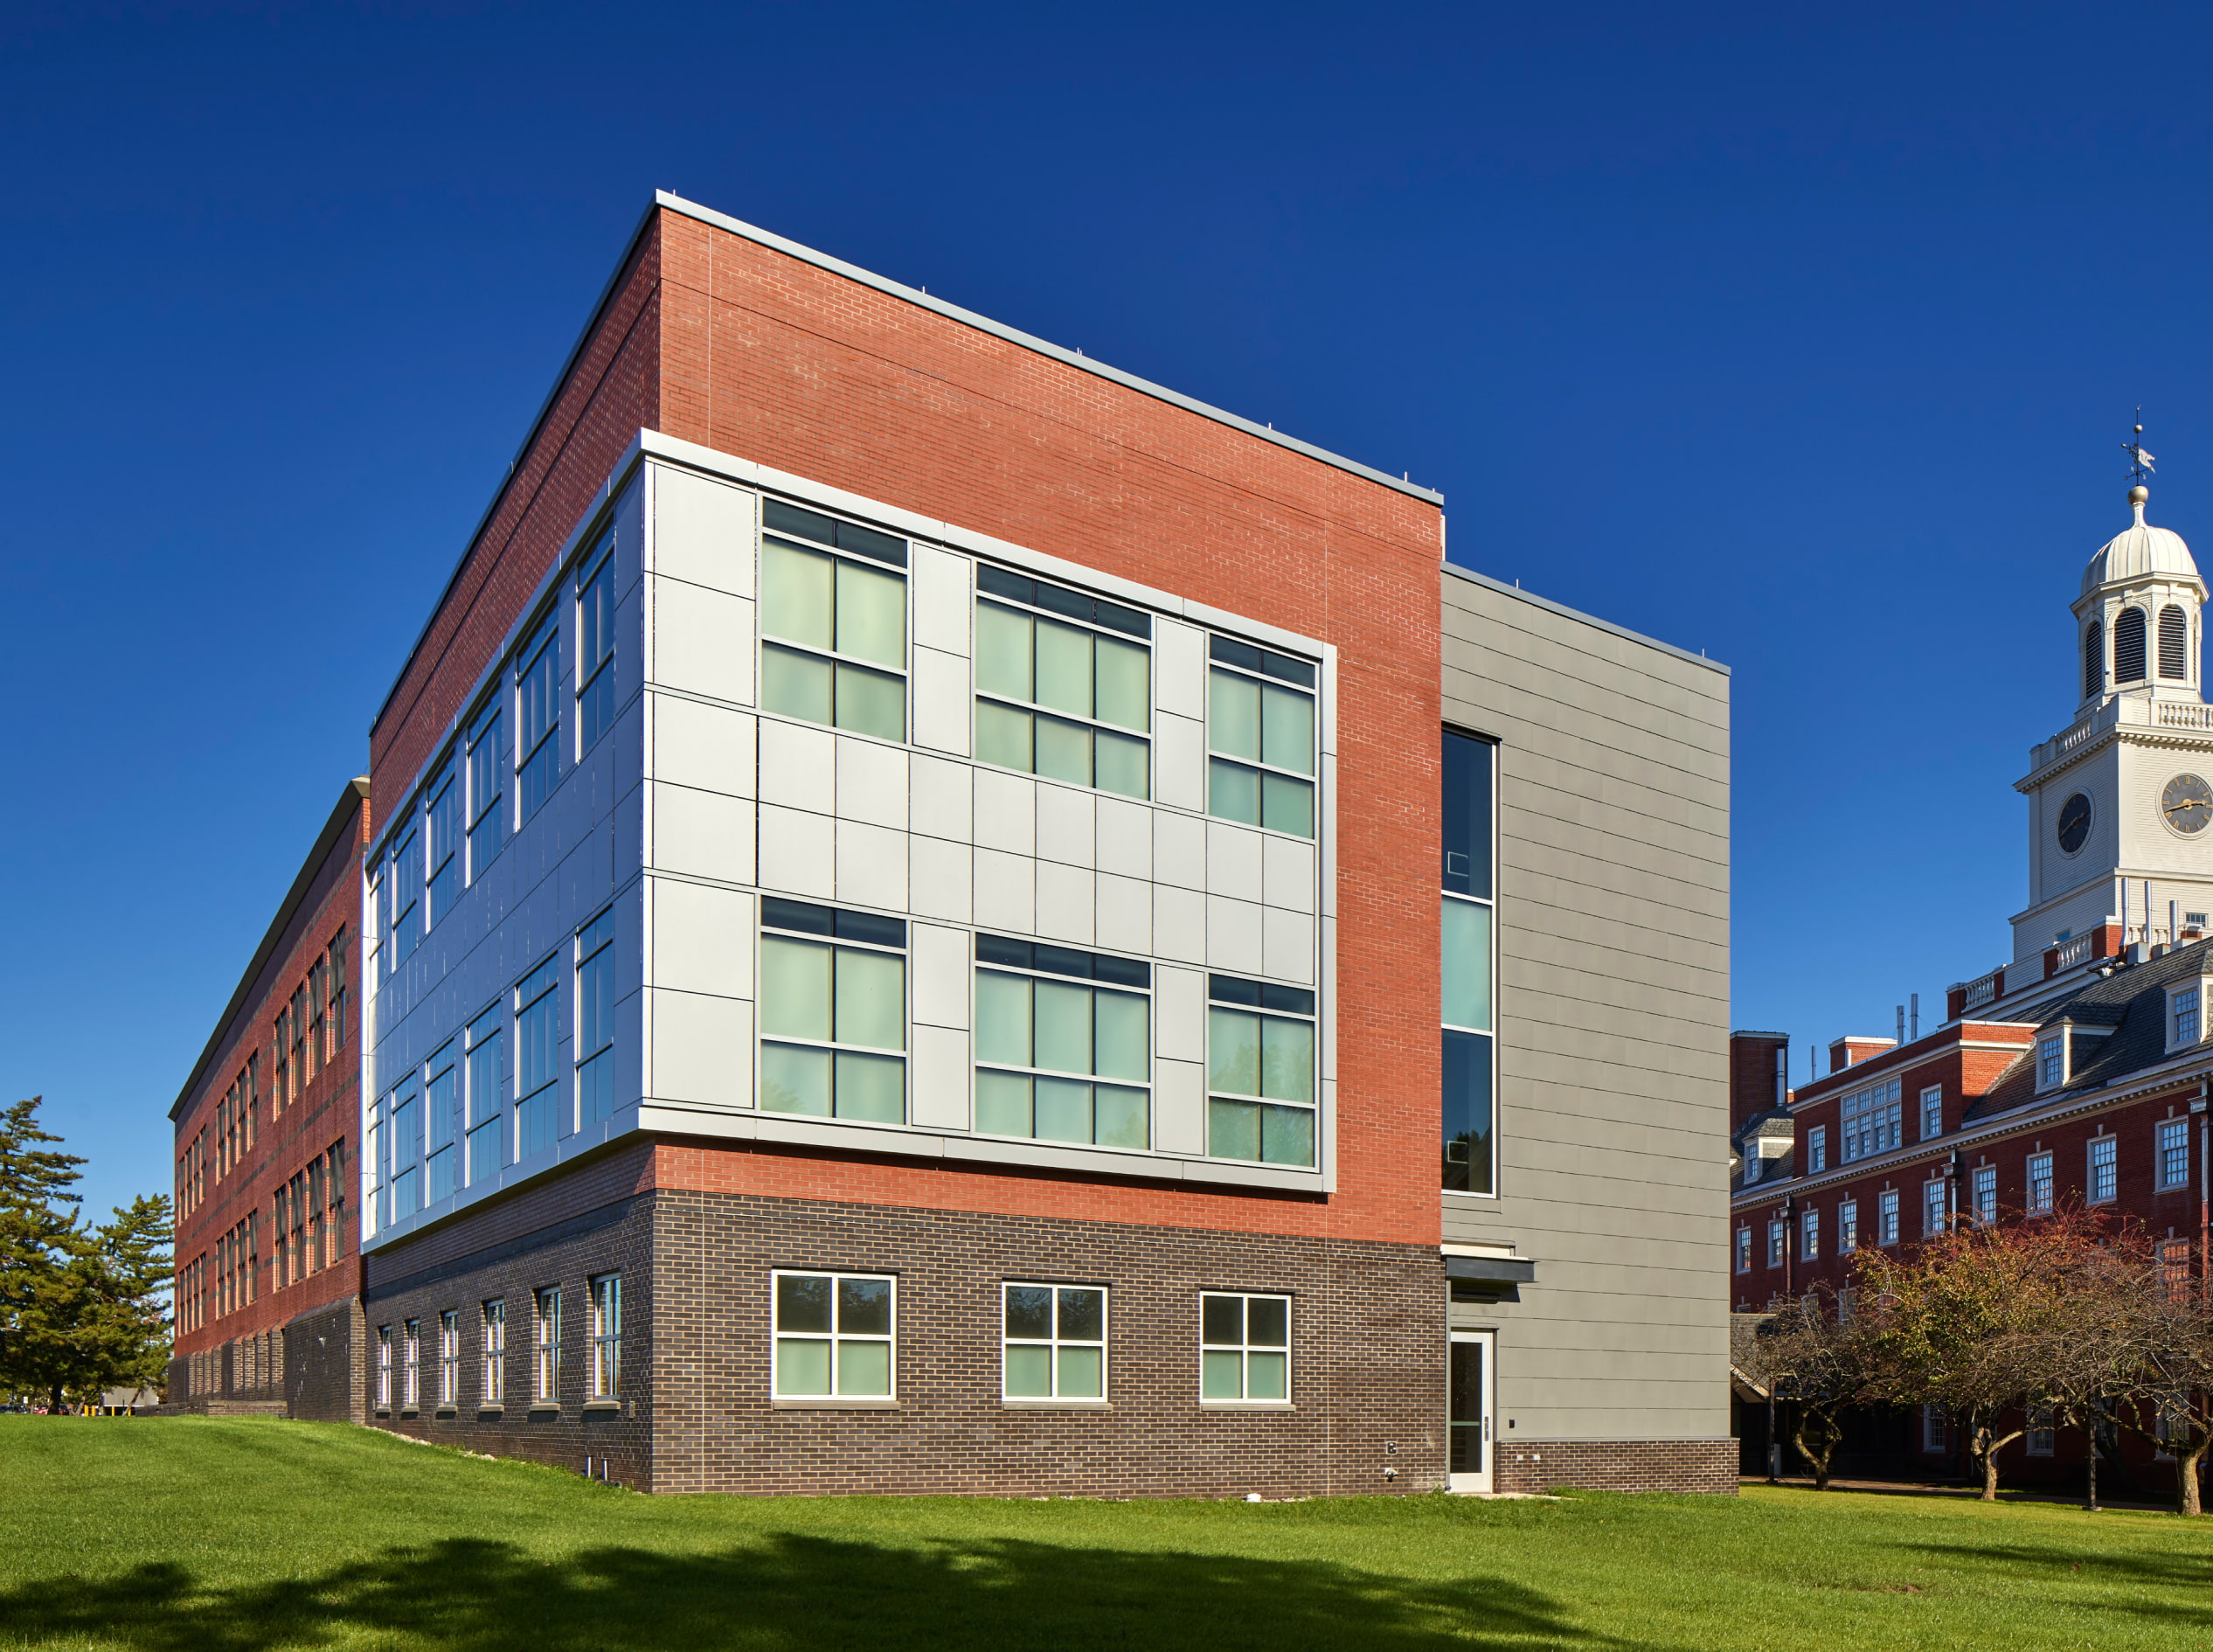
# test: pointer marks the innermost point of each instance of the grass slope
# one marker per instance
(235, 1535)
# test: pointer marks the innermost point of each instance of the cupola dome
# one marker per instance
(2141, 551)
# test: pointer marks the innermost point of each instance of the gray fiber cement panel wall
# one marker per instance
(1612, 1018)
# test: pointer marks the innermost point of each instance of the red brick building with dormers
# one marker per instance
(268, 1269)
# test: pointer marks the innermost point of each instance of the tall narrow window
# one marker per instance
(1064, 684)
(318, 1031)
(1847, 1227)
(2093, 660)
(1817, 1148)
(1260, 728)
(1986, 1193)
(335, 1183)
(606, 1335)
(1932, 1112)
(2040, 1184)
(302, 1058)
(1064, 1044)
(545, 1351)
(337, 980)
(595, 643)
(2104, 1169)
(1933, 1209)
(838, 624)
(536, 1038)
(1886, 1217)
(1743, 1250)
(537, 719)
(1809, 1235)
(832, 1016)
(1245, 1347)
(2171, 1154)
(595, 1019)
(834, 1335)
(403, 892)
(1465, 919)
(494, 1383)
(2129, 646)
(442, 838)
(2184, 1016)
(1778, 1240)
(449, 1357)
(383, 1368)
(487, 787)
(2173, 645)
(411, 1365)
(486, 1097)
(406, 1140)
(1259, 1071)
(1053, 1342)
(442, 1111)
(379, 962)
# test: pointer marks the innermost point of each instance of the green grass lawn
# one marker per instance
(192, 1534)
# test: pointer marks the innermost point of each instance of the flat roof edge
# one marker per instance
(347, 808)
(1565, 612)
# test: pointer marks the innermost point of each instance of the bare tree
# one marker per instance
(1813, 1353)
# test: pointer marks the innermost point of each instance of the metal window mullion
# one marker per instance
(992, 698)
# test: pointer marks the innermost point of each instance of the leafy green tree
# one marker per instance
(40, 1237)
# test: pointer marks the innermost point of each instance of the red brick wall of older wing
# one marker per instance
(325, 1115)
(608, 395)
(772, 360)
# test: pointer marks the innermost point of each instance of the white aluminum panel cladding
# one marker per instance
(1286, 946)
(1179, 849)
(703, 531)
(1065, 903)
(798, 854)
(941, 973)
(1179, 924)
(1179, 1014)
(941, 798)
(1124, 922)
(1288, 874)
(1124, 840)
(940, 1065)
(943, 595)
(703, 643)
(941, 701)
(938, 877)
(872, 866)
(709, 747)
(703, 938)
(1066, 825)
(872, 782)
(1006, 892)
(1233, 860)
(1006, 815)
(697, 1045)
(702, 834)
(1233, 935)
(1179, 761)
(798, 767)
(1179, 1106)
(1179, 669)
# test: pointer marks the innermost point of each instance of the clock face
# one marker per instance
(2188, 803)
(2074, 823)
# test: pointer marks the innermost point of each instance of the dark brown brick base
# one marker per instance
(1627, 1465)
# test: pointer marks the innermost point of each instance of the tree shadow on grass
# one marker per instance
(796, 1593)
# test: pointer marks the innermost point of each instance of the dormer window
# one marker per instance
(1752, 1162)
(2051, 1061)
(2185, 1014)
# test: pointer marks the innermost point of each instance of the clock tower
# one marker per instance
(2120, 801)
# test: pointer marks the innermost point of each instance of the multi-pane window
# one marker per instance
(2171, 1153)
(1932, 1428)
(2043, 1431)
(336, 979)
(1986, 1193)
(1932, 1208)
(834, 1335)
(2184, 1016)
(1466, 919)
(832, 1012)
(1064, 684)
(334, 1186)
(318, 1008)
(2172, 1258)
(1064, 1044)
(411, 1364)
(1260, 732)
(442, 1111)
(537, 719)
(546, 1346)
(1245, 1347)
(494, 1371)
(379, 962)
(442, 838)
(833, 627)
(403, 1140)
(595, 1019)
(1809, 1235)
(449, 1357)
(303, 1056)
(1932, 1112)
(595, 643)
(1817, 1148)
(485, 1099)
(2103, 1162)
(487, 787)
(1259, 1071)
(2051, 1061)
(1886, 1217)
(1870, 1121)
(1847, 1227)
(1778, 1240)
(1053, 1342)
(2040, 1184)
(1743, 1250)
(537, 1037)
(606, 1335)
(403, 918)
(383, 1367)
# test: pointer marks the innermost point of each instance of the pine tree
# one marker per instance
(41, 1240)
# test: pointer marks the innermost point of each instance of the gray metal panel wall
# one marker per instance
(1612, 1017)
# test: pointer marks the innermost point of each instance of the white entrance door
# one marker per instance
(1473, 1384)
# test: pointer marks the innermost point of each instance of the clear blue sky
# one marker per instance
(1808, 342)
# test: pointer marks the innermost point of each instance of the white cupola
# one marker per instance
(2137, 618)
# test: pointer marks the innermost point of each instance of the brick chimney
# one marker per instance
(1759, 1075)
(1850, 1051)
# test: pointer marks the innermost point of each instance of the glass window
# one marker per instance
(832, 1016)
(442, 832)
(839, 655)
(449, 1357)
(546, 1336)
(2040, 1184)
(2051, 1062)
(537, 719)
(1245, 1347)
(1933, 1209)
(2173, 1152)
(1261, 712)
(403, 921)
(1847, 1227)
(487, 782)
(1260, 1071)
(1465, 974)
(1053, 1342)
(383, 1367)
(1870, 1121)
(1932, 1428)
(595, 1019)
(1089, 684)
(1932, 1112)
(1776, 1235)
(441, 1109)
(411, 1364)
(537, 1033)
(1468, 815)
(404, 1138)
(1743, 1250)
(2182, 1012)
(595, 643)
(1809, 1235)
(1986, 1193)
(487, 1097)
(495, 1375)
(1886, 1217)
(606, 1335)
(833, 1335)
(2043, 1431)
(1817, 1147)
(1059, 1059)
(2102, 1168)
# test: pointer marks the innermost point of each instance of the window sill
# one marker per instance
(829, 1402)
(384, 1411)
(1246, 1405)
(544, 1411)
(409, 1411)
(485, 1414)
(1015, 1403)
(444, 1411)
(602, 1407)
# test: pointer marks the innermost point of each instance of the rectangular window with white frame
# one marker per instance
(1064, 684)
(2040, 1189)
(402, 899)
(2043, 1431)
(1260, 735)
(538, 719)
(411, 1365)
(1809, 1235)
(2171, 1154)
(1245, 1348)
(2104, 1168)
(1932, 1428)
(832, 1012)
(538, 1032)
(545, 1349)
(1261, 1095)
(403, 1138)
(493, 1381)
(442, 861)
(833, 622)
(441, 1115)
(835, 1336)
(1743, 1250)
(383, 1368)
(1467, 964)
(2185, 1014)
(1986, 1193)
(1868, 1121)
(1052, 1342)
(1817, 1149)
(1778, 1239)
(595, 1020)
(449, 1357)
(606, 1335)
(1063, 1043)
(1886, 1217)
(1932, 1112)
(595, 643)
(486, 1097)
(1933, 1204)
(487, 776)
(2051, 1061)
(1848, 1226)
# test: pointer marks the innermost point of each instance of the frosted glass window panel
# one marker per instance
(1233, 715)
(1064, 1110)
(872, 616)
(1233, 792)
(1287, 805)
(871, 999)
(796, 995)
(1064, 751)
(803, 1367)
(872, 1088)
(1286, 1135)
(1064, 1027)
(1029, 1372)
(1002, 1104)
(1467, 973)
(1124, 683)
(1004, 663)
(1122, 1038)
(797, 594)
(1081, 1371)
(1122, 765)
(795, 1079)
(1003, 736)
(1121, 1118)
(1063, 669)
(1287, 1059)
(852, 1358)
(870, 702)
(1002, 1018)
(795, 684)
(1232, 1129)
(1286, 729)
(1233, 1052)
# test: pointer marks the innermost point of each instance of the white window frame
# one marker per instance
(492, 1375)
(1983, 1183)
(1056, 1343)
(1932, 1113)
(1245, 1350)
(449, 1357)
(1936, 1207)
(2170, 1142)
(1311, 778)
(2051, 1061)
(1778, 1240)
(1935, 1431)
(546, 1346)
(1026, 607)
(592, 1062)
(411, 1365)
(597, 562)
(2040, 1438)
(604, 1300)
(2101, 1154)
(1743, 1250)
(1809, 1235)
(2186, 1013)
(835, 1337)
(1817, 1149)
(1848, 1226)
(1888, 1223)
(1868, 1123)
(383, 1368)
(2041, 1186)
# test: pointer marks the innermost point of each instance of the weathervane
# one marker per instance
(2140, 462)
